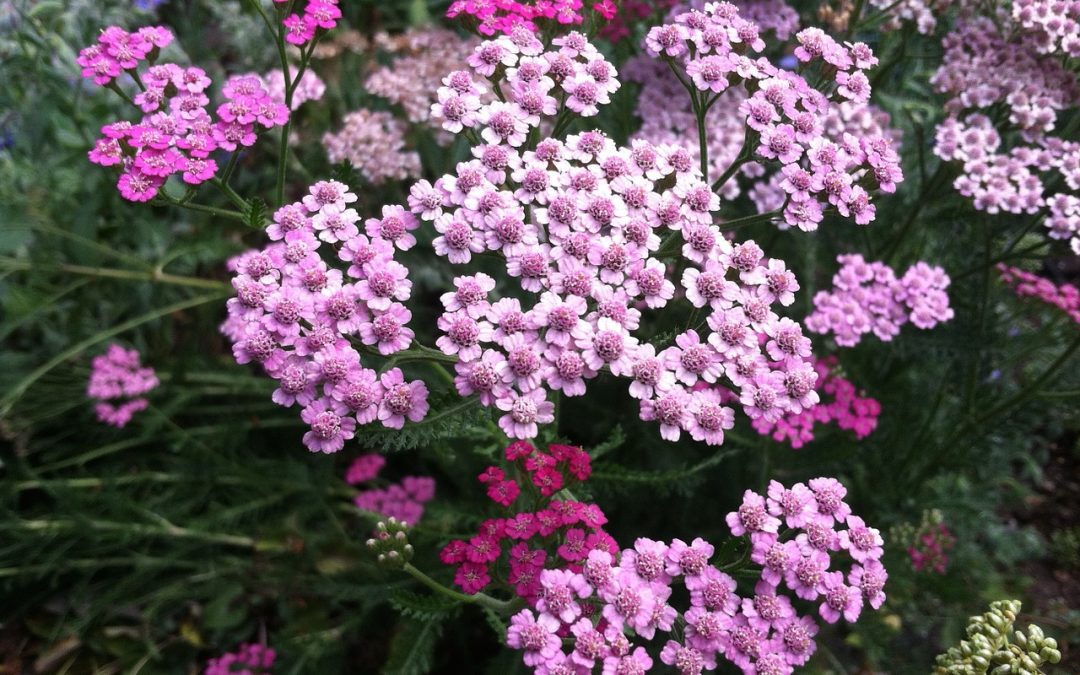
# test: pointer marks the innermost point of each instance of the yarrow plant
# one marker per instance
(1065, 297)
(301, 319)
(177, 133)
(868, 297)
(119, 384)
(555, 533)
(403, 501)
(841, 403)
(249, 659)
(609, 611)
(578, 224)
(506, 16)
(711, 52)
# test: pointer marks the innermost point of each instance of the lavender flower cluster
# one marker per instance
(577, 224)
(614, 603)
(867, 297)
(294, 315)
(177, 134)
(119, 383)
(784, 113)
(403, 501)
(990, 63)
(249, 659)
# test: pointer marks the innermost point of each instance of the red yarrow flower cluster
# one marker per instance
(249, 659)
(1065, 297)
(495, 17)
(841, 403)
(177, 134)
(868, 297)
(561, 532)
(119, 382)
(302, 320)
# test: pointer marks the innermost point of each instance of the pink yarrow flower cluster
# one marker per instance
(607, 613)
(248, 659)
(118, 383)
(1065, 297)
(318, 16)
(929, 551)
(578, 224)
(991, 64)
(177, 134)
(560, 533)
(784, 115)
(505, 16)
(841, 404)
(303, 320)
(403, 501)
(867, 297)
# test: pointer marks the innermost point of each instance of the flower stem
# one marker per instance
(481, 599)
(113, 273)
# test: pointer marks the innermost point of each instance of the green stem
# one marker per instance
(171, 531)
(501, 606)
(236, 199)
(111, 273)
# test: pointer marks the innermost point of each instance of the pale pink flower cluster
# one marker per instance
(421, 57)
(924, 13)
(1013, 181)
(1052, 26)
(249, 659)
(605, 612)
(770, 15)
(868, 297)
(785, 115)
(373, 142)
(984, 65)
(996, 63)
(665, 124)
(309, 88)
(298, 317)
(578, 224)
(403, 501)
(176, 134)
(118, 383)
(1065, 297)
(841, 404)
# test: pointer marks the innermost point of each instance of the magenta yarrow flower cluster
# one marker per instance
(495, 17)
(608, 611)
(784, 113)
(578, 224)
(403, 501)
(929, 551)
(990, 63)
(318, 16)
(1065, 297)
(841, 404)
(555, 532)
(249, 659)
(868, 297)
(298, 318)
(118, 383)
(177, 134)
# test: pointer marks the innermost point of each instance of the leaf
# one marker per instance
(412, 647)
(453, 420)
(496, 623)
(256, 215)
(422, 607)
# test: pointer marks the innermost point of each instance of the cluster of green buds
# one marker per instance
(905, 534)
(391, 543)
(988, 648)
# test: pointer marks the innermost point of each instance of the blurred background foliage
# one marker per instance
(206, 524)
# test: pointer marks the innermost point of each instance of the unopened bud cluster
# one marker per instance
(988, 648)
(391, 543)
